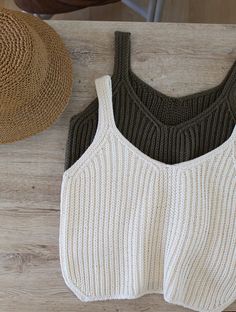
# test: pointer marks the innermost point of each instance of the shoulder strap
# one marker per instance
(229, 87)
(105, 105)
(122, 55)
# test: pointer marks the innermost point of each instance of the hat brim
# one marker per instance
(40, 113)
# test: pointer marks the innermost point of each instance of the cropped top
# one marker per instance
(132, 225)
(168, 129)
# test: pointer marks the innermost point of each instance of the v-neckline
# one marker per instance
(159, 164)
(225, 84)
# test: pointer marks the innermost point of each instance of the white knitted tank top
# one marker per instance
(131, 225)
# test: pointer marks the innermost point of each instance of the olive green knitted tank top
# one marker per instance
(168, 129)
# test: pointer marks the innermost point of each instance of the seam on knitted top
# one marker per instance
(234, 154)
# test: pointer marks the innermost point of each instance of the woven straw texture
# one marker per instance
(35, 76)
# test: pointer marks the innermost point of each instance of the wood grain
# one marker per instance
(175, 58)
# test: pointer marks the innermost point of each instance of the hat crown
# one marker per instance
(23, 61)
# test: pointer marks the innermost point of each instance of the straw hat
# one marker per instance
(35, 75)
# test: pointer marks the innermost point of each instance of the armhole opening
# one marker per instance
(102, 124)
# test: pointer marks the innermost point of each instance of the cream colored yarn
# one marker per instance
(131, 225)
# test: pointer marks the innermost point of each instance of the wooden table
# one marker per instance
(175, 58)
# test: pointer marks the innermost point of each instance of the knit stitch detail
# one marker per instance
(168, 129)
(131, 225)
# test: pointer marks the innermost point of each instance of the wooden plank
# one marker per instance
(175, 58)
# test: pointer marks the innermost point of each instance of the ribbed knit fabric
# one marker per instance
(132, 225)
(168, 129)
